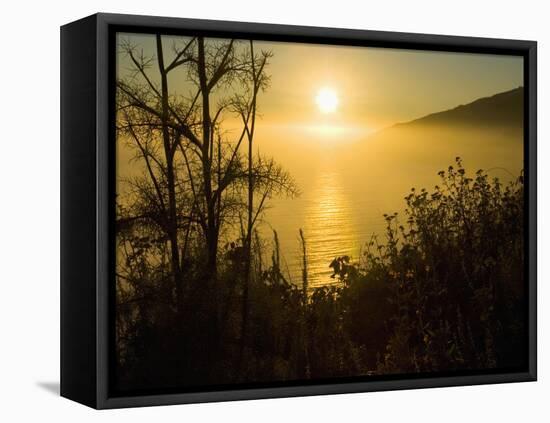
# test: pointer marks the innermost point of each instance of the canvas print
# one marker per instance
(291, 213)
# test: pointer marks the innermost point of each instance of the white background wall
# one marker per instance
(29, 209)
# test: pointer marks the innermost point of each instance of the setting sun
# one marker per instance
(327, 100)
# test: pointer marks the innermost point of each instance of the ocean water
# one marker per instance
(347, 188)
(336, 221)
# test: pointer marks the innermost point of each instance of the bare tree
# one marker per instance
(194, 169)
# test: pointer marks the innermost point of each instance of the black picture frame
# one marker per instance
(87, 215)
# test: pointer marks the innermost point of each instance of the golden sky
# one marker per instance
(375, 87)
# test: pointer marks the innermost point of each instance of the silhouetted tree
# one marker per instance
(179, 138)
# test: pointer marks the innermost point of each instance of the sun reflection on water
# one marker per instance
(329, 227)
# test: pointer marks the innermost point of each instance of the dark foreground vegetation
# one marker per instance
(442, 291)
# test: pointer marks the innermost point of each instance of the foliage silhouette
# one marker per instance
(443, 292)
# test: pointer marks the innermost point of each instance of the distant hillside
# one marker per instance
(486, 134)
(503, 109)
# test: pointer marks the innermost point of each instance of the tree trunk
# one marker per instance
(172, 223)
(248, 242)
(211, 221)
